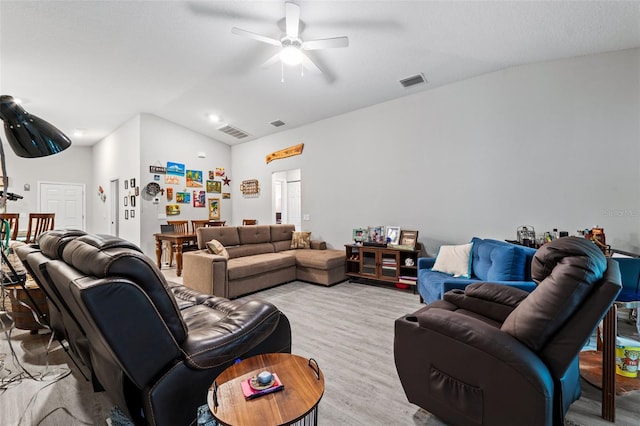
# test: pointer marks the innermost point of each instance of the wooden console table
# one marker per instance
(177, 240)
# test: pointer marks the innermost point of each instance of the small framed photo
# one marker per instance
(133, 200)
(126, 214)
(126, 201)
(393, 234)
(137, 191)
(126, 184)
(132, 213)
(132, 183)
(360, 235)
(408, 238)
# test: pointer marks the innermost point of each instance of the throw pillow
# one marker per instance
(216, 247)
(301, 240)
(454, 260)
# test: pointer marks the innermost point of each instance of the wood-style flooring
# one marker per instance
(347, 328)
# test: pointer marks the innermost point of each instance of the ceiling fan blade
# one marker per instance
(292, 19)
(310, 65)
(272, 60)
(264, 39)
(326, 43)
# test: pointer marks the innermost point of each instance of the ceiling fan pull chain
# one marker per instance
(282, 72)
(301, 70)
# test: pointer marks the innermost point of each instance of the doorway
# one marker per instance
(114, 186)
(287, 197)
(66, 200)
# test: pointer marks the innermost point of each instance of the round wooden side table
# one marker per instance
(303, 388)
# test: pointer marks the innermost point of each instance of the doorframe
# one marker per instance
(84, 196)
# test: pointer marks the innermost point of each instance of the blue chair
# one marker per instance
(630, 273)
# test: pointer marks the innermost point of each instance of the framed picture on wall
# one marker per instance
(214, 208)
(126, 184)
(126, 214)
(132, 213)
(126, 201)
(133, 200)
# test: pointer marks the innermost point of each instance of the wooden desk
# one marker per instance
(298, 400)
(176, 239)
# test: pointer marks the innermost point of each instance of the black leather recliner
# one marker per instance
(154, 348)
(497, 355)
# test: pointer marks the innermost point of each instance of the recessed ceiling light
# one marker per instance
(214, 117)
(78, 132)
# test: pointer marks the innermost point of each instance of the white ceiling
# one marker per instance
(95, 64)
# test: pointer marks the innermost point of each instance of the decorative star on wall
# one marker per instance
(226, 180)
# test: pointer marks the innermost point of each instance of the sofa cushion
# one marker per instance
(227, 235)
(494, 260)
(249, 250)
(216, 247)
(254, 234)
(282, 232)
(301, 240)
(319, 259)
(454, 260)
(246, 266)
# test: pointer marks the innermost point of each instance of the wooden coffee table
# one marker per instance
(303, 388)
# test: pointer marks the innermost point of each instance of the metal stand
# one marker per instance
(42, 317)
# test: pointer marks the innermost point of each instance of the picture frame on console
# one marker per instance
(360, 235)
(408, 239)
(393, 234)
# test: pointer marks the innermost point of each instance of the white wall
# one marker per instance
(552, 145)
(72, 165)
(163, 141)
(116, 157)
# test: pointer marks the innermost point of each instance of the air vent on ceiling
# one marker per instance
(413, 80)
(277, 123)
(232, 131)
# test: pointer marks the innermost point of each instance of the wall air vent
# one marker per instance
(413, 80)
(232, 131)
(277, 123)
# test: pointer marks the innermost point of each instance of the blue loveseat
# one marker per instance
(491, 260)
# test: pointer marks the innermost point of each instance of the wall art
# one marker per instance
(214, 208)
(169, 194)
(214, 186)
(220, 171)
(172, 209)
(226, 195)
(176, 169)
(194, 178)
(199, 199)
(183, 197)
(171, 180)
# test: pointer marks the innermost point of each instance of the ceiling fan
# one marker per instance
(292, 46)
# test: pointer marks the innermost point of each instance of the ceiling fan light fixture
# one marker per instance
(291, 55)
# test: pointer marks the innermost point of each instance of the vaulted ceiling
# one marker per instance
(92, 65)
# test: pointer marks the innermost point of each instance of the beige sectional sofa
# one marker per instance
(260, 256)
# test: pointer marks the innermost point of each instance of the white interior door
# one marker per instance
(113, 207)
(66, 200)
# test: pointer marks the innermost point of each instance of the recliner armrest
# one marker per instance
(495, 301)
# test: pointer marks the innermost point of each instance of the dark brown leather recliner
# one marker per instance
(154, 347)
(496, 355)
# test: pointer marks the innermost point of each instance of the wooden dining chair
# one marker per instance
(181, 226)
(249, 221)
(217, 222)
(195, 224)
(13, 219)
(39, 223)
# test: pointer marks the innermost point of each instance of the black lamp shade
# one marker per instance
(28, 135)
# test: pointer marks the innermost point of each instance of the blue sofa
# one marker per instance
(491, 261)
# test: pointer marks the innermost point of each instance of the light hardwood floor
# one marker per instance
(347, 328)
